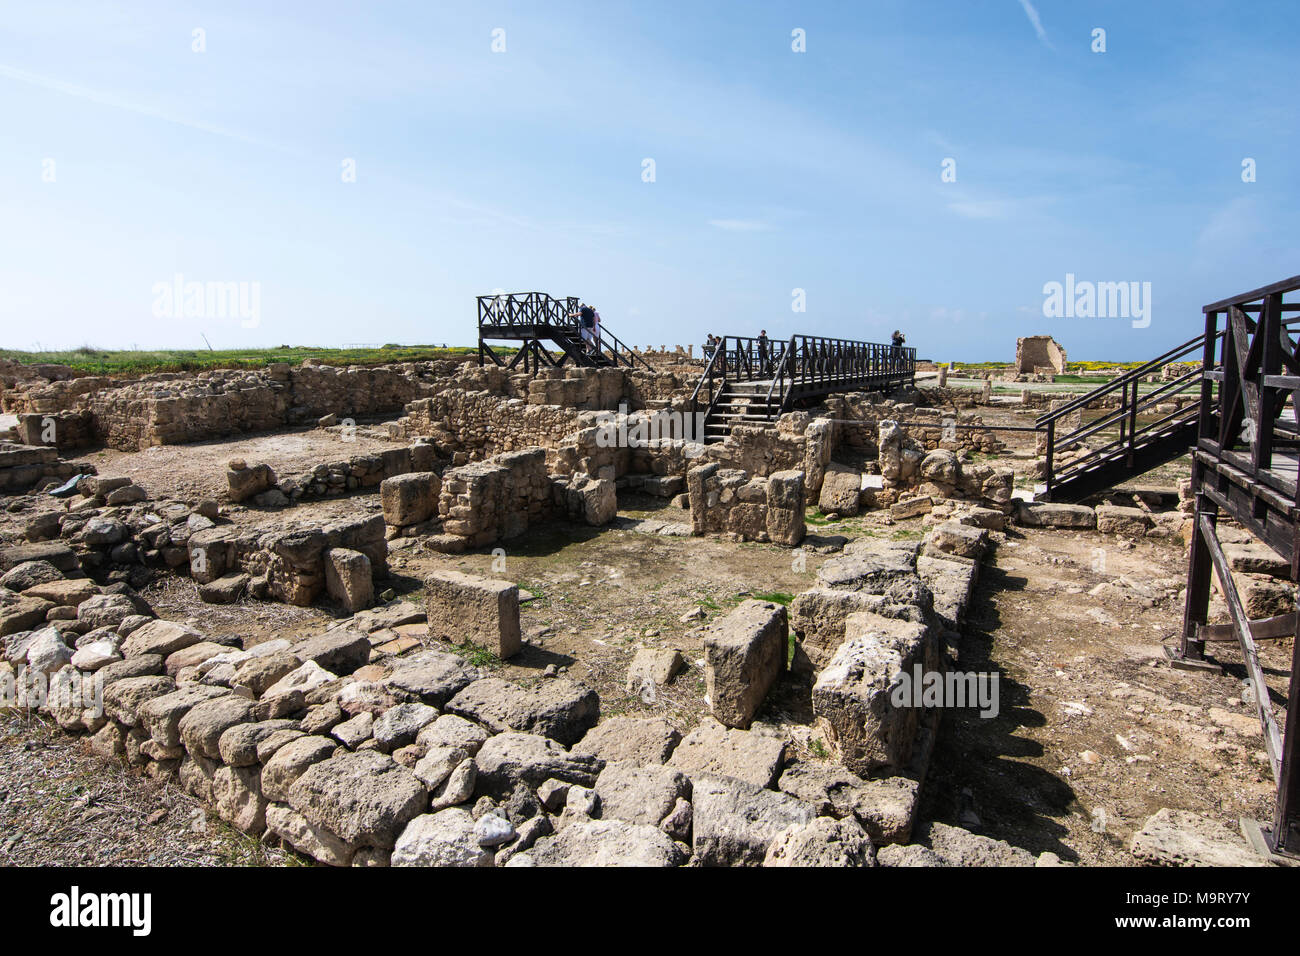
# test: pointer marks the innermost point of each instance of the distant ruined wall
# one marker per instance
(1039, 351)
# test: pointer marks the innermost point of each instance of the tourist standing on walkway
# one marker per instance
(762, 351)
(896, 353)
(586, 317)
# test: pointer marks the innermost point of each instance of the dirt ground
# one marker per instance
(1094, 733)
(198, 470)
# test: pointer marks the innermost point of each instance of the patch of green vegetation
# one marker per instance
(818, 749)
(709, 604)
(477, 654)
(776, 597)
(907, 534)
(94, 361)
(814, 516)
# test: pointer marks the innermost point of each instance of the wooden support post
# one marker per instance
(1199, 570)
(1286, 824)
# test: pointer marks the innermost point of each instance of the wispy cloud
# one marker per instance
(741, 225)
(981, 209)
(117, 102)
(1032, 14)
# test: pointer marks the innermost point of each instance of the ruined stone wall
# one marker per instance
(926, 426)
(287, 565)
(748, 508)
(1039, 351)
(25, 466)
(495, 499)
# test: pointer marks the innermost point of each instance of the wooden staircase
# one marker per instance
(1133, 438)
(740, 403)
(749, 381)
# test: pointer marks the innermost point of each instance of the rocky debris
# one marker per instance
(735, 822)
(885, 807)
(47, 652)
(1183, 838)
(123, 697)
(18, 614)
(823, 843)
(400, 724)
(911, 855)
(201, 728)
(29, 575)
(244, 482)
(958, 539)
(462, 608)
(450, 731)
(606, 843)
(160, 637)
(636, 740)
(958, 847)
(363, 798)
(653, 667)
(160, 717)
(339, 652)
(430, 677)
(712, 749)
(445, 838)
(289, 763)
(744, 654)
(508, 758)
(1043, 514)
(644, 795)
(559, 709)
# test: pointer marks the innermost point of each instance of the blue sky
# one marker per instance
(522, 170)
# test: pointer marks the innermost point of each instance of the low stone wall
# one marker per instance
(176, 408)
(730, 501)
(334, 478)
(24, 467)
(288, 565)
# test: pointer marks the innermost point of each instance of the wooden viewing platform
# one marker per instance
(534, 318)
(749, 381)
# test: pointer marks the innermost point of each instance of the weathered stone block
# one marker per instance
(744, 654)
(464, 608)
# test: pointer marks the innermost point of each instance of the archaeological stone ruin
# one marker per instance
(421, 703)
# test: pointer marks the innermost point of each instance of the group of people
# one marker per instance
(714, 342)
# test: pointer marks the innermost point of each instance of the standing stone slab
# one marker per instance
(744, 654)
(462, 607)
(349, 578)
(853, 698)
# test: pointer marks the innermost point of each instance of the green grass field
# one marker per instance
(100, 362)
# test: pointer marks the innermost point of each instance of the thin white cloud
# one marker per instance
(116, 102)
(740, 225)
(980, 209)
(1032, 14)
